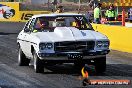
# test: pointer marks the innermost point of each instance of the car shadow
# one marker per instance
(68, 69)
(62, 69)
(111, 70)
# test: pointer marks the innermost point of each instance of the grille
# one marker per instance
(74, 46)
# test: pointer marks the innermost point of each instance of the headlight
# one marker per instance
(106, 43)
(99, 44)
(44, 46)
(102, 44)
(49, 46)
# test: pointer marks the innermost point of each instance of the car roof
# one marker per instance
(56, 14)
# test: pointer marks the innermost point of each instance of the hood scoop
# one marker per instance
(68, 32)
(63, 32)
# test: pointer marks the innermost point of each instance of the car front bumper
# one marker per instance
(71, 56)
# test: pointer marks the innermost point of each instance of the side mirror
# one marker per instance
(26, 30)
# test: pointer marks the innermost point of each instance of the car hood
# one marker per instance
(69, 34)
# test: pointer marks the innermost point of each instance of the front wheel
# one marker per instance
(100, 64)
(38, 64)
(22, 60)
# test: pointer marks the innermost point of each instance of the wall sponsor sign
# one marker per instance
(9, 11)
(25, 15)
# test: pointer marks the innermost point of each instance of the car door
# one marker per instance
(28, 37)
(21, 37)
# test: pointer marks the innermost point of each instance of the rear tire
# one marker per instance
(38, 64)
(100, 64)
(22, 60)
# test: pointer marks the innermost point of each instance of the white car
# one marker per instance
(61, 38)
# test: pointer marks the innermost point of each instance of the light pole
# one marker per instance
(79, 3)
(48, 4)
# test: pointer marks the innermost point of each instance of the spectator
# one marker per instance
(97, 14)
(87, 15)
(59, 9)
(111, 14)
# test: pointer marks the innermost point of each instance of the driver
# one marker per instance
(40, 25)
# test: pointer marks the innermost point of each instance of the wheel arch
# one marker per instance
(18, 44)
(32, 49)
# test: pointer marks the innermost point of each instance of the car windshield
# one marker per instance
(79, 22)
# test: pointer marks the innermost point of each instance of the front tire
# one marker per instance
(100, 64)
(38, 64)
(22, 60)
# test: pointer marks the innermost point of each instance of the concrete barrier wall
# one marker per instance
(120, 37)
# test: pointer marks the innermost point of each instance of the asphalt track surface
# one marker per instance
(119, 66)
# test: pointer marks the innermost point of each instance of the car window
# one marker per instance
(79, 22)
(44, 24)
